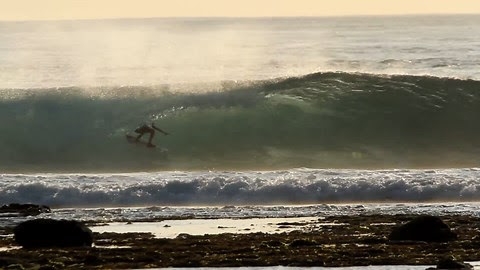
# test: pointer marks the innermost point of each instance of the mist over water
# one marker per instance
(141, 52)
(169, 51)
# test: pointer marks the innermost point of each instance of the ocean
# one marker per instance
(268, 117)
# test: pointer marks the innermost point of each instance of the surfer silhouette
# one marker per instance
(148, 129)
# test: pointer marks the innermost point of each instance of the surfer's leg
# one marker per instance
(152, 133)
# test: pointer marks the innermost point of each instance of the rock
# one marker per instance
(302, 243)
(274, 243)
(52, 233)
(423, 228)
(25, 209)
(451, 263)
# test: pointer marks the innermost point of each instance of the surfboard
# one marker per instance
(133, 140)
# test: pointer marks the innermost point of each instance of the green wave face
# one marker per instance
(319, 120)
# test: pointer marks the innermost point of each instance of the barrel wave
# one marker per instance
(335, 119)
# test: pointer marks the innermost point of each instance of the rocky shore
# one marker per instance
(332, 241)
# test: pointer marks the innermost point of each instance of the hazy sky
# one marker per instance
(91, 9)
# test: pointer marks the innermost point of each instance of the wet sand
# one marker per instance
(329, 241)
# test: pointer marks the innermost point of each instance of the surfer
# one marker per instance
(148, 129)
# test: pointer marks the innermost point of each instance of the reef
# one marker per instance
(330, 241)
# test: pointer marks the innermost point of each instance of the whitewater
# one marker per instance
(267, 117)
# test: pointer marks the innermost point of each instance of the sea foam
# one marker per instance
(300, 186)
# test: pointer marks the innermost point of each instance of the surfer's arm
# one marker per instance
(164, 132)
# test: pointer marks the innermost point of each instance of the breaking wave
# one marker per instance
(343, 120)
(298, 186)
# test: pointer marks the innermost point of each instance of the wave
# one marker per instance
(344, 120)
(299, 186)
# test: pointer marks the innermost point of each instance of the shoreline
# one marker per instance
(330, 241)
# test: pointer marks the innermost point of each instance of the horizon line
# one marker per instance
(241, 17)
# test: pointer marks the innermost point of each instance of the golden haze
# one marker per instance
(95, 9)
